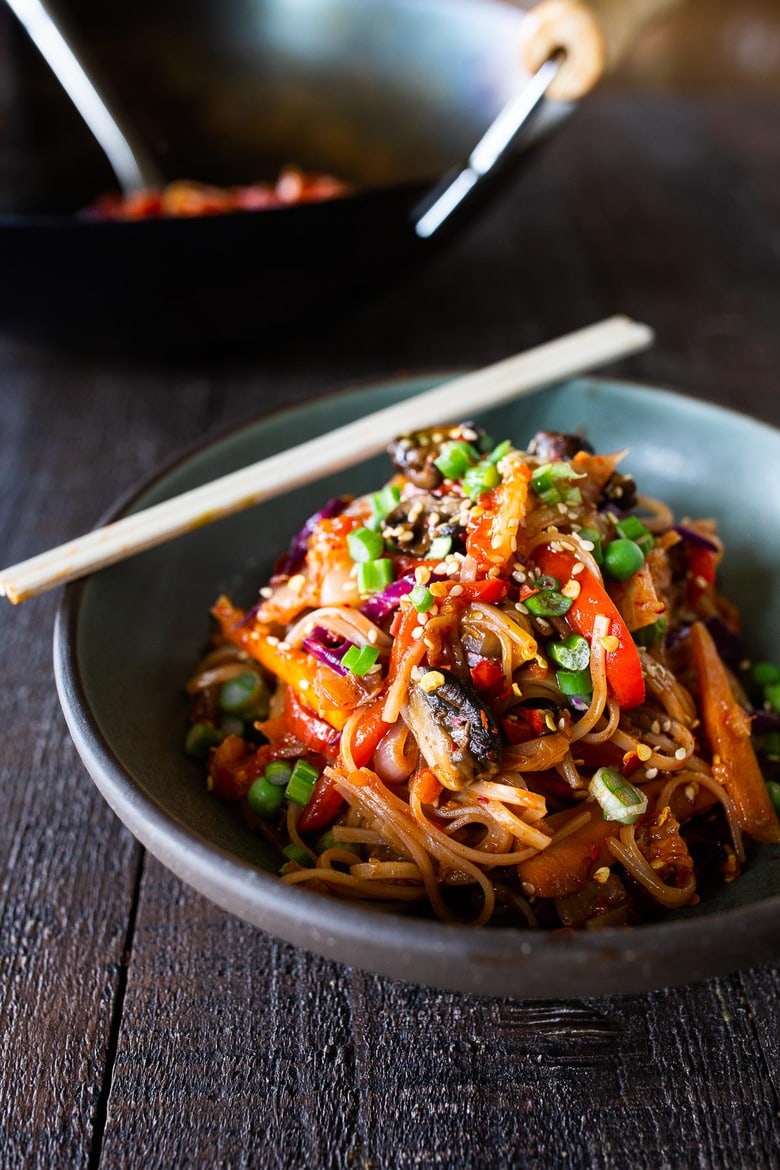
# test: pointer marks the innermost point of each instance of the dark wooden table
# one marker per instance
(141, 1026)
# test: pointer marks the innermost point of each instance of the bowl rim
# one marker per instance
(496, 961)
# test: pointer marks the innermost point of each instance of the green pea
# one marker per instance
(623, 558)
(242, 694)
(200, 738)
(763, 674)
(264, 798)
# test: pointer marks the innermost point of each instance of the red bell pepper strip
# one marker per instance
(324, 805)
(702, 566)
(316, 733)
(369, 731)
(623, 665)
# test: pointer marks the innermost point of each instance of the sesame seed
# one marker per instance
(680, 754)
(497, 541)
(610, 643)
(456, 590)
(266, 591)
(304, 684)
(588, 545)
(651, 773)
(577, 569)
(417, 632)
(655, 727)
(528, 889)
(284, 645)
(520, 607)
(297, 583)
(372, 636)
(272, 640)
(691, 791)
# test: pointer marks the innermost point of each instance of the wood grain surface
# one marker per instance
(140, 1026)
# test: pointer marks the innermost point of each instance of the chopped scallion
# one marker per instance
(650, 635)
(632, 528)
(373, 576)
(480, 479)
(440, 547)
(572, 653)
(574, 682)
(498, 453)
(552, 483)
(548, 603)
(301, 783)
(360, 659)
(619, 800)
(593, 537)
(421, 598)
(295, 853)
(455, 459)
(365, 545)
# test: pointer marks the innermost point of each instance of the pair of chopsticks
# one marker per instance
(509, 379)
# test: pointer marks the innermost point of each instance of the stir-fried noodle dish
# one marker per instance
(502, 688)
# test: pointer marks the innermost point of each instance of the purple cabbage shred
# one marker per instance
(381, 604)
(296, 553)
(321, 644)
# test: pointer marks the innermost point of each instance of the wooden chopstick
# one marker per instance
(572, 354)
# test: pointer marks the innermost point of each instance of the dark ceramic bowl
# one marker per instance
(127, 638)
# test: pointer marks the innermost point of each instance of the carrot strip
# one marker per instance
(727, 725)
(566, 865)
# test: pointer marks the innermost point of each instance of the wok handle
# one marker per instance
(594, 35)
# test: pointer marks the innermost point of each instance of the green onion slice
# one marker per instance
(421, 598)
(301, 783)
(548, 603)
(572, 653)
(295, 853)
(360, 659)
(619, 800)
(455, 459)
(574, 682)
(373, 576)
(593, 537)
(365, 545)
(440, 547)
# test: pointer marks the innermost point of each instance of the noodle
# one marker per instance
(476, 694)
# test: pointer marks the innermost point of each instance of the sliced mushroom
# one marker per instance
(549, 446)
(420, 519)
(457, 735)
(414, 455)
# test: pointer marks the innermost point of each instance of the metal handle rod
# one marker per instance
(491, 147)
(129, 163)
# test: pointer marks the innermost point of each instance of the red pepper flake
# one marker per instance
(631, 762)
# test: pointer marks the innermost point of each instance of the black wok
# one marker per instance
(386, 94)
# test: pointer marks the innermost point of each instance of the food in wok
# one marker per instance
(187, 198)
(502, 688)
